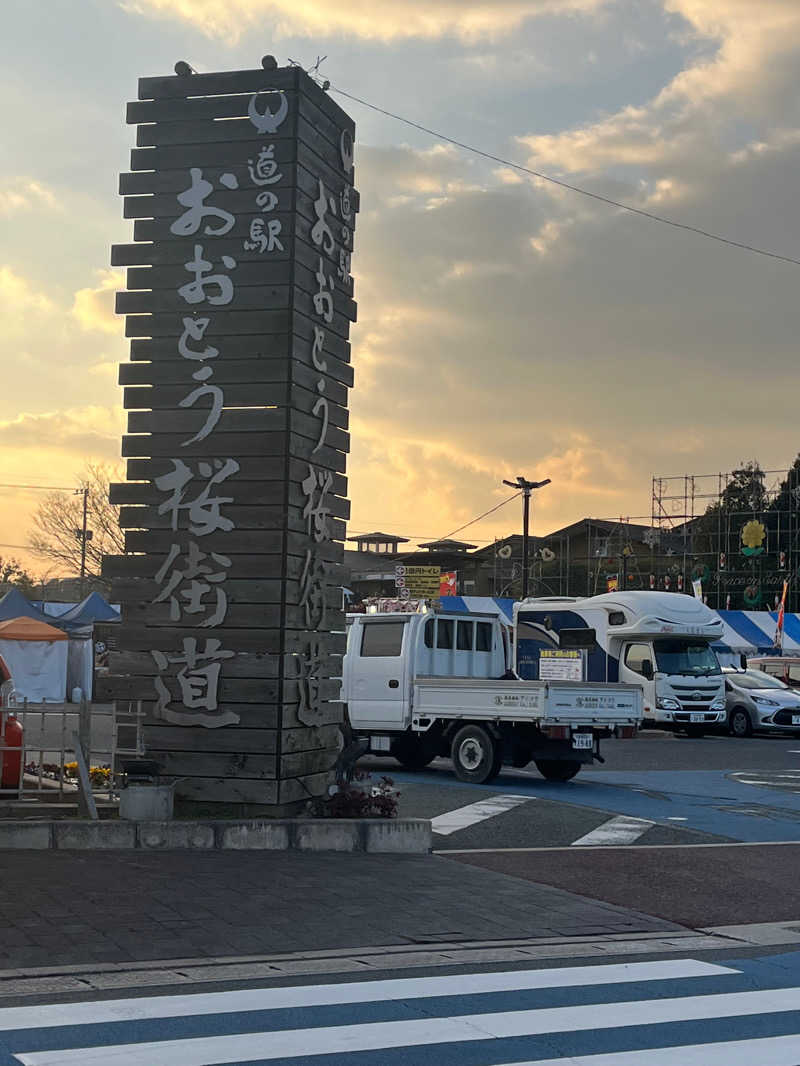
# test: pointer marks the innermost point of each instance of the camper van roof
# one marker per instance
(641, 602)
(459, 615)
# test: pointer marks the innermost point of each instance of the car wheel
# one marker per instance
(739, 723)
(477, 756)
(557, 769)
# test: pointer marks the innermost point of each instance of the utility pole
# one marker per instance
(83, 534)
(526, 487)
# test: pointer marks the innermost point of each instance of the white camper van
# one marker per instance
(660, 641)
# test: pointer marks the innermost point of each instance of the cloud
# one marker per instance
(46, 353)
(18, 295)
(25, 194)
(512, 331)
(372, 19)
(93, 307)
(90, 432)
(749, 76)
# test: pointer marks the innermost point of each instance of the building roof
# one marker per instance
(380, 538)
(447, 545)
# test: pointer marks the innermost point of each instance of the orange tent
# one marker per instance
(29, 629)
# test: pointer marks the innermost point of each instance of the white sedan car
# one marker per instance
(757, 702)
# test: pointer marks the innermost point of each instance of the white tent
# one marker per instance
(36, 655)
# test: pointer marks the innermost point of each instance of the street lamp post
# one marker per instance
(526, 487)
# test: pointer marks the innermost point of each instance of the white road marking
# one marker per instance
(251, 999)
(619, 830)
(766, 1051)
(462, 817)
(675, 819)
(772, 783)
(377, 1036)
(642, 847)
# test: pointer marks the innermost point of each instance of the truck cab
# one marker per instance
(418, 686)
(385, 652)
(659, 641)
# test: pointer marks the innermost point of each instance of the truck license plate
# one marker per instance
(796, 719)
(582, 741)
(697, 717)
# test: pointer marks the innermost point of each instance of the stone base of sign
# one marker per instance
(401, 835)
(203, 810)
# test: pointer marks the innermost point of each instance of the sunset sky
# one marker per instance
(506, 326)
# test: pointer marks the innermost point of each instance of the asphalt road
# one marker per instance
(634, 831)
(697, 887)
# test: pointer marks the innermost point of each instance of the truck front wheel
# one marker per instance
(557, 769)
(477, 756)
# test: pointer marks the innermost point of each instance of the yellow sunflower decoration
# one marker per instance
(753, 534)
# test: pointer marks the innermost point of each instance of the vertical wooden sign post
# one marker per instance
(239, 304)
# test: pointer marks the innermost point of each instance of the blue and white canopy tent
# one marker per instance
(77, 622)
(753, 633)
(746, 632)
(502, 606)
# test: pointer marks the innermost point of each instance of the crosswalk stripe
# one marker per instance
(376, 1036)
(766, 1051)
(463, 817)
(253, 999)
(619, 830)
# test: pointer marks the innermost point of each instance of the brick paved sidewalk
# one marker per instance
(60, 908)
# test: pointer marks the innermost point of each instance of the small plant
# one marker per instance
(359, 799)
(98, 775)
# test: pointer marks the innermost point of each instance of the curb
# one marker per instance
(398, 836)
(121, 977)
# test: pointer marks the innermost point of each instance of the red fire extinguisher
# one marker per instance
(10, 761)
(10, 737)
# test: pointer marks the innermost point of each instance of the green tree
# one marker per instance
(744, 494)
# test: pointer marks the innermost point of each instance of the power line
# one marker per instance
(567, 185)
(480, 516)
(42, 488)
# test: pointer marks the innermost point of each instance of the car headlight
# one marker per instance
(667, 703)
(765, 702)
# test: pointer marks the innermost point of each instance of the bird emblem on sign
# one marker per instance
(267, 121)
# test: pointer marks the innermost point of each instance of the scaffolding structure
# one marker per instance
(737, 532)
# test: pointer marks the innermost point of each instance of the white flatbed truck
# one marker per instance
(418, 686)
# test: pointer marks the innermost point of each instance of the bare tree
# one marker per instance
(58, 523)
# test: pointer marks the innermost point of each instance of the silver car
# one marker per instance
(758, 702)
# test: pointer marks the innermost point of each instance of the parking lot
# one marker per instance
(670, 788)
(695, 830)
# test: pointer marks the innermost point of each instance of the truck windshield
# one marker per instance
(680, 656)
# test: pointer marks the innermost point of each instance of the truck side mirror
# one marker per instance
(743, 661)
(647, 669)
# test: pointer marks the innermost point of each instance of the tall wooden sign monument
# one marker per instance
(238, 304)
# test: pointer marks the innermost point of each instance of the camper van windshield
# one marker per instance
(676, 656)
